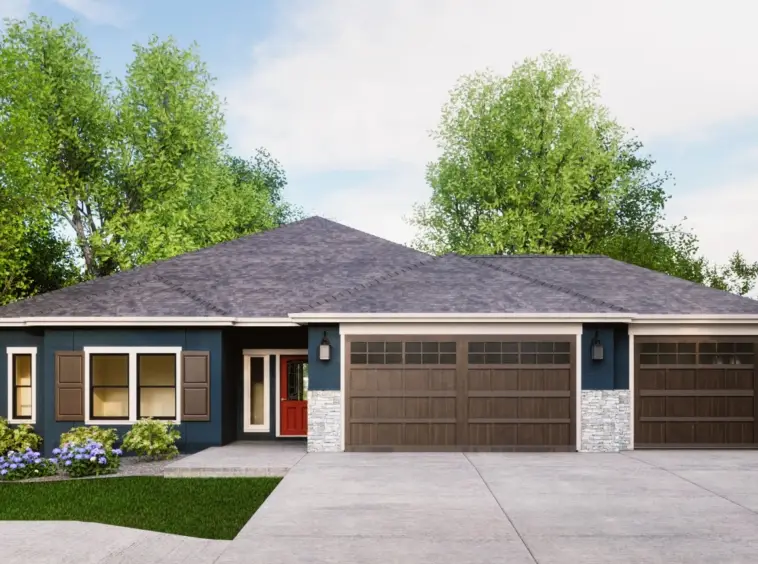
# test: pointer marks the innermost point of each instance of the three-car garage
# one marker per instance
(523, 392)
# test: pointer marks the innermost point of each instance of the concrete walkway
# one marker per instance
(243, 458)
(642, 507)
(53, 542)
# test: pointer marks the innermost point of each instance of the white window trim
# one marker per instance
(277, 354)
(11, 351)
(132, 352)
(247, 427)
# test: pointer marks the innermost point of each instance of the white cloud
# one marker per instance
(107, 12)
(724, 218)
(13, 9)
(345, 85)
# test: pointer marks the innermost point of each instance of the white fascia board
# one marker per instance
(147, 322)
(733, 319)
(460, 317)
(694, 329)
(459, 328)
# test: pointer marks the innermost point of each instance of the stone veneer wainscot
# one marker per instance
(324, 421)
(605, 420)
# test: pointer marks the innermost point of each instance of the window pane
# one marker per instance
(23, 402)
(110, 402)
(157, 402)
(110, 369)
(256, 391)
(156, 370)
(376, 347)
(23, 369)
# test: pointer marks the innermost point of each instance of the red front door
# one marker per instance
(293, 404)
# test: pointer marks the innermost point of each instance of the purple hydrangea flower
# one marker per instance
(3, 472)
(78, 457)
(53, 461)
(56, 451)
(14, 466)
(68, 463)
(102, 460)
(117, 451)
(22, 465)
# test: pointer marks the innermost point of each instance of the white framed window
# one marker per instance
(22, 384)
(257, 393)
(125, 384)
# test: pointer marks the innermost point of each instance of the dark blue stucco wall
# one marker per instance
(611, 373)
(195, 434)
(323, 375)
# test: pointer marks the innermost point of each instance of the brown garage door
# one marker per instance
(460, 393)
(696, 392)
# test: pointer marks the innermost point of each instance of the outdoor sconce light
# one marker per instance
(324, 349)
(597, 348)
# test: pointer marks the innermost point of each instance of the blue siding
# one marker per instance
(323, 375)
(195, 435)
(613, 371)
(18, 338)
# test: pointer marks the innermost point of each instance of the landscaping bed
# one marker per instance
(212, 508)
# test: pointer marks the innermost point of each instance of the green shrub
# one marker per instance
(18, 438)
(89, 459)
(152, 438)
(78, 436)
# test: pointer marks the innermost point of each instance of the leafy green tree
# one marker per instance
(533, 163)
(136, 169)
(55, 125)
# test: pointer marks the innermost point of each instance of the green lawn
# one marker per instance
(213, 508)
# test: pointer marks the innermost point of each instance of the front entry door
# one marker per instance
(293, 396)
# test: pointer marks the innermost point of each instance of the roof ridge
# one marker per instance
(547, 284)
(370, 283)
(329, 222)
(177, 288)
(540, 255)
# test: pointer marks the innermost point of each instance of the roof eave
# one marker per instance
(115, 321)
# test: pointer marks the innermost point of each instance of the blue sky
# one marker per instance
(343, 93)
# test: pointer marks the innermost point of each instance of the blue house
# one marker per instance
(320, 333)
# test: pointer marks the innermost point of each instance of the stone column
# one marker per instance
(605, 420)
(324, 421)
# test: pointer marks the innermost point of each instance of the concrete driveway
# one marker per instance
(667, 507)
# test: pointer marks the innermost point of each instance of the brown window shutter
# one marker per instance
(196, 386)
(69, 386)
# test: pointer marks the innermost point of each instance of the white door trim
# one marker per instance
(343, 392)
(632, 366)
(277, 353)
(246, 408)
(578, 388)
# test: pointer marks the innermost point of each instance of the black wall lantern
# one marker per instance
(324, 349)
(597, 348)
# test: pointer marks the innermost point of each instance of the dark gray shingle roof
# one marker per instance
(321, 266)
(627, 286)
(454, 284)
(268, 274)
